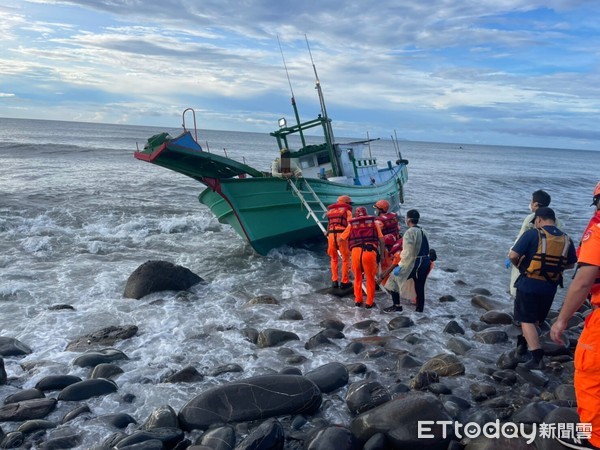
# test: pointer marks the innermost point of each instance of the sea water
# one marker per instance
(78, 214)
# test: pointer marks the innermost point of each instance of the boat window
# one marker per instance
(323, 158)
(307, 162)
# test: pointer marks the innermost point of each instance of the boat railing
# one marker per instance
(194, 117)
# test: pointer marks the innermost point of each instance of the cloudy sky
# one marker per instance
(504, 72)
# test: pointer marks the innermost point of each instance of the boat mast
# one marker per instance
(326, 122)
(293, 98)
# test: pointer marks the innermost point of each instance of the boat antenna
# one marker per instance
(327, 122)
(397, 145)
(292, 92)
(369, 144)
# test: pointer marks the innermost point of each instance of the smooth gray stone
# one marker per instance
(227, 368)
(506, 377)
(453, 327)
(156, 276)
(407, 362)
(481, 301)
(87, 389)
(254, 398)
(291, 314)
(75, 413)
(423, 379)
(491, 336)
(332, 333)
(251, 334)
(188, 374)
(439, 389)
(14, 439)
(533, 412)
(560, 415)
(169, 437)
(332, 437)
(317, 340)
(150, 444)
(25, 394)
(482, 391)
(118, 420)
(398, 419)
(161, 417)
(565, 392)
(222, 438)
(272, 337)
(329, 377)
(400, 322)
(447, 298)
(106, 370)
(268, 435)
(332, 323)
(365, 395)
(105, 337)
(32, 426)
(13, 347)
(61, 442)
(56, 382)
(496, 318)
(459, 345)
(95, 357)
(27, 410)
(445, 365)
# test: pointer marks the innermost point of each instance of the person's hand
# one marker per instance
(507, 263)
(557, 330)
(397, 270)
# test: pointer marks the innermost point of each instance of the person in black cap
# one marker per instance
(539, 199)
(541, 255)
(414, 263)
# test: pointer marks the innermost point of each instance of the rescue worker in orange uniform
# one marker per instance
(338, 215)
(587, 353)
(388, 220)
(366, 243)
(390, 227)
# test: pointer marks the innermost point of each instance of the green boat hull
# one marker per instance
(268, 214)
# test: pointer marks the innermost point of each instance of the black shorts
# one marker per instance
(532, 308)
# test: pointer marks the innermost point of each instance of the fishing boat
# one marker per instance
(269, 211)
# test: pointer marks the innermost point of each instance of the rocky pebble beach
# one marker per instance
(386, 381)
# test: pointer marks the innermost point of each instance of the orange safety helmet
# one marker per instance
(383, 205)
(360, 211)
(596, 198)
(344, 199)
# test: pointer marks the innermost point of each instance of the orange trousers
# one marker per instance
(334, 243)
(587, 375)
(364, 261)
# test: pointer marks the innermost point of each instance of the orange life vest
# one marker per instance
(363, 233)
(550, 258)
(337, 214)
(389, 224)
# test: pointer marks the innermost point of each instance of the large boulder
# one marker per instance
(399, 420)
(156, 276)
(365, 395)
(329, 377)
(253, 398)
(13, 347)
